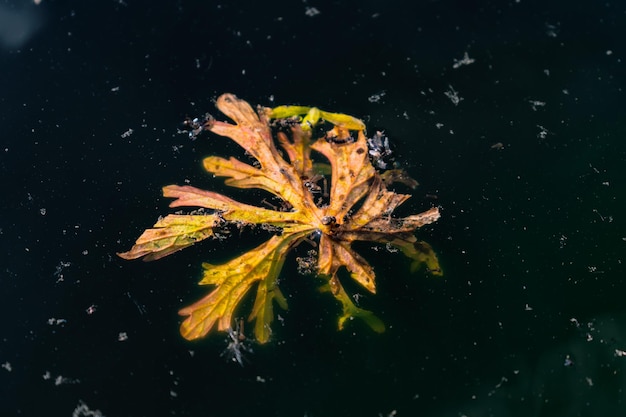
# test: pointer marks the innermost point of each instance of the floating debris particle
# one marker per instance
(543, 132)
(59, 379)
(376, 98)
(535, 104)
(379, 150)
(453, 95)
(568, 361)
(311, 11)
(82, 410)
(58, 273)
(127, 133)
(237, 344)
(466, 60)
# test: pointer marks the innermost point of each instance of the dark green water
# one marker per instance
(529, 318)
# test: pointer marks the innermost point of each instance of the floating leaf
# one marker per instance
(171, 234)
(233, 280)
(356, 205)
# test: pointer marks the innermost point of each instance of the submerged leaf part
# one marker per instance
(351, 311)
(354, 204)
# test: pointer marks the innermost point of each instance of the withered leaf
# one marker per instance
(171, 234)
(357, 206)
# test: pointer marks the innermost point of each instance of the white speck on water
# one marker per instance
(60, 379)
(82, 410)
(311, 11)
(543, 132)
(466, 60)
(535, 104)
(375, 98)
(453, 95)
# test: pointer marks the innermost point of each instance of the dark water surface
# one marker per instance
(528, 168)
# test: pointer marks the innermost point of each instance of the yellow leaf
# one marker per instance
(233, 280)
(349, 310)
(379, 201)
(298, 150)
(343, 120)
(283, 112)
(263, 309)
(242, 175)
(229, 209)
(334, 254)
(313, 115)
(171, 234)
(420, 252)
(358, 206)
(351, 170)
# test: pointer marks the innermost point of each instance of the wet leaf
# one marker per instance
(354, 204)
(171, 234)
(349, 309)
(233, 280)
